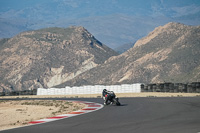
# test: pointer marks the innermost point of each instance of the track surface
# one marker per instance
(136, 115)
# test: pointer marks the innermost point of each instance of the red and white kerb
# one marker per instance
(90, 107)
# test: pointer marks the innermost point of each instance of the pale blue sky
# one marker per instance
(113, 22)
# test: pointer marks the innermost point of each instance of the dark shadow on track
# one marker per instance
(123, 104)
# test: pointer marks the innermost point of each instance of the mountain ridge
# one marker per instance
(59, 57)
(167, 54)
(49, 57)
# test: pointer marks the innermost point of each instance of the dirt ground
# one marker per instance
(18, 113)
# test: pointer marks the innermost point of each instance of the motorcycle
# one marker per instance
(112, 99)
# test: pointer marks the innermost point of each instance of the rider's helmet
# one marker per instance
(104, 90)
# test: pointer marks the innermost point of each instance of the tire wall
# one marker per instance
(172, 87)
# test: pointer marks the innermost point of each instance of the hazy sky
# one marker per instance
(113, 22)
(85, 8)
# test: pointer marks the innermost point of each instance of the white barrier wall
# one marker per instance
(96, 89)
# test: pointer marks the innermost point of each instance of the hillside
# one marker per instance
(48, 57)
(170, 53)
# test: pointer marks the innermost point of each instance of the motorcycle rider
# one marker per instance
(105, 95)
(110, 98)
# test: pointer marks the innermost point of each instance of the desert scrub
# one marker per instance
(47, 103)
(3, 101)
(62, 105)
(39, 103)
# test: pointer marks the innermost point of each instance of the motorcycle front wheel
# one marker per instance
(116, 102)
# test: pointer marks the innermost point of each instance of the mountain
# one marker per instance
(48, 57)
(113, 22)
(170, 53)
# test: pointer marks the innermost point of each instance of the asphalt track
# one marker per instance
(136, 115)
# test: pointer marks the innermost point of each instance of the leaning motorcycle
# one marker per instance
(112, 98)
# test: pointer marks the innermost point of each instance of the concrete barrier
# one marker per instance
(96, 89)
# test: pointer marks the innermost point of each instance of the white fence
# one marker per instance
(97, 89)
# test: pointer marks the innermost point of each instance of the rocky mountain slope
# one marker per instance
(170, 53)
(48, 57)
